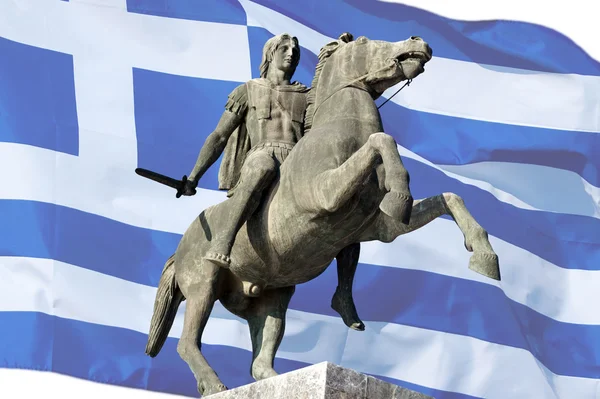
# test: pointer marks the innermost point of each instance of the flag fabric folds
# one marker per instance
(506, 115)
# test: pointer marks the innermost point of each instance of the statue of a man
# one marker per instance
(262, 121)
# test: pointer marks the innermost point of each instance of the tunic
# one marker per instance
(273, 121)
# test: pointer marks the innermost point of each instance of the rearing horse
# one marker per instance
(342, 184)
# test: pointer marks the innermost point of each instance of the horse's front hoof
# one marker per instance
(397, 206)
(486, 264)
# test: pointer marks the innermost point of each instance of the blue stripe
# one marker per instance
(41, 230)
(225, 11)
(504, 43)
(460, 306)
(22, 345)
(449, 140)
(37, 98)
(116, 356)
(257, 37)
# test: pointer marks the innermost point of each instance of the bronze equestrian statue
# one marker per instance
(343, 183)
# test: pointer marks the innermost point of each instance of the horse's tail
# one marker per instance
(168, 299)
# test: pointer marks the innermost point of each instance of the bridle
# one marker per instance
(357, 80)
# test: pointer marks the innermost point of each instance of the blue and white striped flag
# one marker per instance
(507, 116)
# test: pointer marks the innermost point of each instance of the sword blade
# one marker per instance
(157, 177)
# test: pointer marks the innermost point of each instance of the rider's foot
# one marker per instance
(219, 259)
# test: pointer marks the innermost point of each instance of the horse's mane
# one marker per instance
(324, 54)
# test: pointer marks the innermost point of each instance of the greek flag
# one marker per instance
(507, 116)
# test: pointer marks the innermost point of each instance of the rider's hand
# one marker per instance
(186, 187)
(189, 188)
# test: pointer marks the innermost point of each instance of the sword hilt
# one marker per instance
(180, 189)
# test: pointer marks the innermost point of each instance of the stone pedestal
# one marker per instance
(320, 381)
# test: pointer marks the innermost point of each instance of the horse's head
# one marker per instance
(387, 63)
(373, 65)
(383, 64)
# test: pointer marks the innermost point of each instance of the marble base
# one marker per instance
(320, 381)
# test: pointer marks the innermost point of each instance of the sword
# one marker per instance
(178, 185)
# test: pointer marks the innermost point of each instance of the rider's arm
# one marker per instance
(215, 143)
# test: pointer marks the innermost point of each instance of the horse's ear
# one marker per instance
(346, 37)
(362, 40)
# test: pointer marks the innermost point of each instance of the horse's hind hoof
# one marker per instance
(344, 305)
(358, 326)
(397, 206)
(218, 259)
(486, 264)
(206, 390)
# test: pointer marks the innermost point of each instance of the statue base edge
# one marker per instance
(320, 381)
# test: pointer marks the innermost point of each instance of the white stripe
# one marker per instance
(547, 188)
(23, 383)
(99, 110)
(121, 4)
(476, 91)
(437, 247)
(578, 26)
(429, 358)
(178, 46)
(484, 185)
(110, 161)
(525, 186)
(505, 95)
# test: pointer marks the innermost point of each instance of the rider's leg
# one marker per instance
(257, 173)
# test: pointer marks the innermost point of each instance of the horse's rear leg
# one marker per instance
(336, 186)
(483, 261)
(342, 301)
(266, 319)
(201, 297)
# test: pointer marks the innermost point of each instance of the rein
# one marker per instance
(343, 86)
(405, 84)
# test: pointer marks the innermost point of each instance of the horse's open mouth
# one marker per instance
(414, 55)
